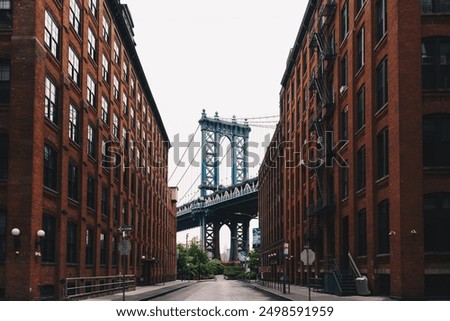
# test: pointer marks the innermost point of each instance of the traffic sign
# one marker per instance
(307, 256)
(125, 228)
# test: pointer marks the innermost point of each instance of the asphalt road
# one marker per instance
(218, 290)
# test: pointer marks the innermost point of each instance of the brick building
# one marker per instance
(83, 150)
(365, 118)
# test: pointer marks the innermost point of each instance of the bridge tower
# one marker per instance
(213, 130)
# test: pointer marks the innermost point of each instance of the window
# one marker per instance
(105, 29)
(50, 167)
(125, 71)
(359, 5)
(436, 211)
(344, 120)
(51, 35)
(382, 154)
(48, 243)
(91, 91)
(73, 182)
(106, 164)
(5, 81)
(105, 69)
(344, 182)
(382, 84)
(116, 207)
(103, 256)
(4, 156)
(90, 199)
(89, 255)
(46, 291)
(71, 255)
(344, 72)
(75, 16)
(381, 19)
(435, 6)
(74, 124)
(436, 140)
(116, 88)
(115, 250)
(91, 141)
(51, 99)
(5, 14)
(2, 235)
(344, 21)
(115, 125)
(124, 103)
(92, 45)
(133, 87)
(436, 63)
(124, 213)
(104, 204)
(93, 7)
(116, 52)
(361, 168)
(383, 227)
(132, 119)
(360, 38)
(362, 233)
(105, 111)
(360, 108)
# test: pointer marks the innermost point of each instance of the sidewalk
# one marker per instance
(300, 293)
(296, 293)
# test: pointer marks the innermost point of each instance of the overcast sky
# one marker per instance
(225, 56)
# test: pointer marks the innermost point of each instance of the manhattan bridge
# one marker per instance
(212, 203)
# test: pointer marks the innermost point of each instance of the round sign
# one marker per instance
(307, 256)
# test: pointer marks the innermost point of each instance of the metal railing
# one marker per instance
(76, 288)
(354, 267)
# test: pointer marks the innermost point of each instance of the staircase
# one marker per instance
(344, 279)
(347, 283)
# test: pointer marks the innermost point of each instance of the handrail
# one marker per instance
(354, 266)
(332, 266)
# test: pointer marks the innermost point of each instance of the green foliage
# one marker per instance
(193, 263)
(234, 272)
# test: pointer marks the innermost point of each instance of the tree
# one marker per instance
(193, 262)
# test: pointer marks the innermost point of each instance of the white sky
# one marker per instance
(226, 56)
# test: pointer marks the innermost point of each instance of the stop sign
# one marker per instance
(307, 256)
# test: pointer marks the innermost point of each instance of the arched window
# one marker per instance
(436, 63)
(436, 140)
(436, 222)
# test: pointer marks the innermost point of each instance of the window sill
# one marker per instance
(360, 71)
(361, 192)
(383, 180)
(381, 42)
(50, 191)
(437, 169)
(443, 253)
(360, 131)
(383, 255)
(52, 125)
(383, 109)
(360, 12)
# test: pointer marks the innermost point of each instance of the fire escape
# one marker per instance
(321, 85)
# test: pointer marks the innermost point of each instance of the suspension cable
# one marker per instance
(185, 151)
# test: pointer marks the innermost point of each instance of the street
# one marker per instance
(218, 290)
